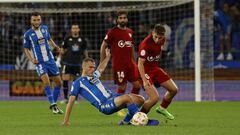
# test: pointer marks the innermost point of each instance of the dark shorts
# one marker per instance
(126, 73)
(157, 75)
(73, 70)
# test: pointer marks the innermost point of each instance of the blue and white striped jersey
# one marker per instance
(91, 89)
(37, 41)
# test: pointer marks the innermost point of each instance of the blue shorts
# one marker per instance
(109, 106)
(47, 67)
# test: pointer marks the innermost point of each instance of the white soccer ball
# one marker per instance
(139, 119)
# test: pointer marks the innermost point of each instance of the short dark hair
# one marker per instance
(121, 12)
(35, 14)
(88, 59)
(75, 23)
(159, 29)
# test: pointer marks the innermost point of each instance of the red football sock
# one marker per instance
(119, 91)
(165, 103)
(135, 90)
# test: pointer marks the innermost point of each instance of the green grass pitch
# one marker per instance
(34, 118)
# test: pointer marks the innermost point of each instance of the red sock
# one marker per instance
(135, 90)
(119, 91)
(165, 103)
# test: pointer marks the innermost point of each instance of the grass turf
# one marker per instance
(34, 118)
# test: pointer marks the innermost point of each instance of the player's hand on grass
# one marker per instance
(67, 123)
(34, 61)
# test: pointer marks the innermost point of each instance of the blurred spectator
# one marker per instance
(223, 23)
(206, 34)
(165, 50)
(109, 21)
(141, 33)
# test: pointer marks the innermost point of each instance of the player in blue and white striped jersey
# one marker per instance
(90, 87)
(38, 42)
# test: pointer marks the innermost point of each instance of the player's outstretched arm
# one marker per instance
(103, 64)
(68, 110)
(102, 52)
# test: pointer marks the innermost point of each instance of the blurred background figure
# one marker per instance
(74, 51)
(223, 24)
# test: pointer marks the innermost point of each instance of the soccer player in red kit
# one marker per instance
(148, 61)
(120, 40)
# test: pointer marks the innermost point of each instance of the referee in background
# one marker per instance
(74, 50)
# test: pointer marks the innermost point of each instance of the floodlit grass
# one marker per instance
(34, 118)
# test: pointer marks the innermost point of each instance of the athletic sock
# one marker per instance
(165, 103)
(49, 95)
(56, 93)
(65, 89)
(132, 109)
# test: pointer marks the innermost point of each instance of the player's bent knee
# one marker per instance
(154, 99)
(59, 84)
(174, 91)
(128, 98)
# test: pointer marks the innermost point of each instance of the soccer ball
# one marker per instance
(139, 119)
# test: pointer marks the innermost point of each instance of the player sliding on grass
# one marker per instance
(149, 55)
(38, 40)
(90, 87)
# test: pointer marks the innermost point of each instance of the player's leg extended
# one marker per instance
(172, 90)
(127, 101)
(56, 92)
(136, 86)
(137, 99)
(65, 78)
(58, 84)
(134, 77)
(153, 98)
(121, 91)
(46, 83)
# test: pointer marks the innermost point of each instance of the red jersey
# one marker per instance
(150, 51)
(121, 43)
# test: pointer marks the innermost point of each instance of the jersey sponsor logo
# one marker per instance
(75, 48)
(152, 58)
(123, 43)
(143, 53)
(33, 34)
(41, 41)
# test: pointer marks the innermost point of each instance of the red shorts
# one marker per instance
(156, 75)
(126, 73)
